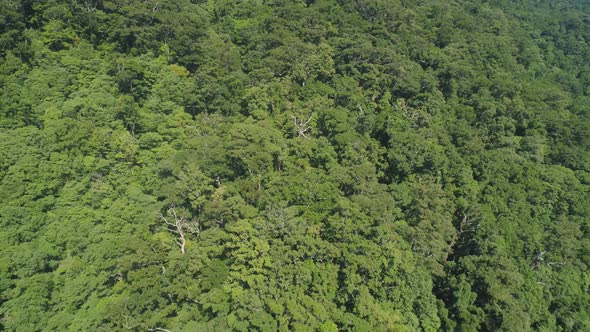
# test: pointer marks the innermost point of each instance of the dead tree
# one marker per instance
(302, 126)
(181, 226)
(538, 260)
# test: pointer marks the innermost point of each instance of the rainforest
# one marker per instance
(294, 165)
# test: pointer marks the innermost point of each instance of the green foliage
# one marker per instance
(318, 165)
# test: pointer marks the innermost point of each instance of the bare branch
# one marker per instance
(181, 226)
(158, 329)
(302, 126)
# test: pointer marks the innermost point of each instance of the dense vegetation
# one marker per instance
(274, 165)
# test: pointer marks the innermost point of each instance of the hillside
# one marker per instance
(295, 165)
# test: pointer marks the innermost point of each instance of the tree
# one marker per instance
(180, 226)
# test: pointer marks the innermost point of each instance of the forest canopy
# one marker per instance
(294, 165)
